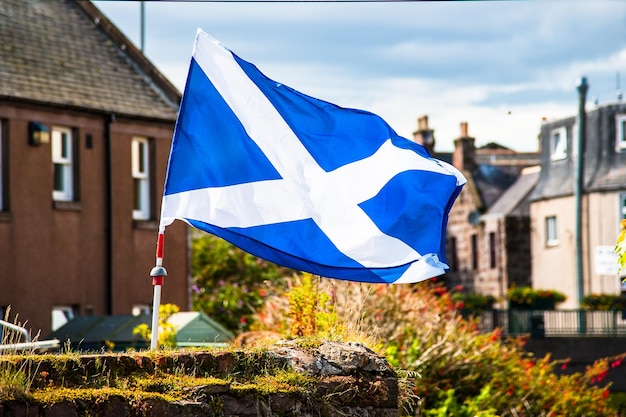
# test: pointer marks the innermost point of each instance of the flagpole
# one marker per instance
(158, 274)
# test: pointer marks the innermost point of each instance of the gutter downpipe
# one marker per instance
(108, 190)
(578, 191)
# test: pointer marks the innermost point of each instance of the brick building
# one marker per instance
(86, 123)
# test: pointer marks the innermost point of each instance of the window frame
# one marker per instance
(620, 131)
(141, 310)
(493, 254)
(559, 151)
(62, 150)
(141, 173)
(5, 184)
(69, 312)
(2, 168)
(474, 249)
(552, 234)
(451, 247)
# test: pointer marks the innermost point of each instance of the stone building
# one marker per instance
(485, 255)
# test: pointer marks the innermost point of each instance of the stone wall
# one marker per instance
(349, 380)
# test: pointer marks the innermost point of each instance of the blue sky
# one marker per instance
(500, 66)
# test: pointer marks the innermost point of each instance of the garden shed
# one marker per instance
(94, 333)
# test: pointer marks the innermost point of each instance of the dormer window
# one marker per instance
(558, 144)
(621, 131)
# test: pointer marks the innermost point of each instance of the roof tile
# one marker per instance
(53, 52)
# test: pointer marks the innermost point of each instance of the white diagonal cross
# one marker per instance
(305, 191)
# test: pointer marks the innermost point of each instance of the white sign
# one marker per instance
(605, 261)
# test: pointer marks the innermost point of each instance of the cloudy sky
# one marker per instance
(500, 66)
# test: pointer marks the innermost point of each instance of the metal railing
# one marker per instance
(553, 323)
(11, 344)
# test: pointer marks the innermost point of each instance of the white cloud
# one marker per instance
(500, 66)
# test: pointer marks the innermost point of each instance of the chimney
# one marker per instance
(424, 135)
(464, 130)
(463, 157)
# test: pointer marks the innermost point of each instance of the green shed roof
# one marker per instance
(96, 332)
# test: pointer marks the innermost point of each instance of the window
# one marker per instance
(452, 256)
(61, 315)
(552, 237)
(558, 143)
(622, 205)
(475, 252)
(62, 162)
(141, 310)
(621, 131)
(2, 165)
(141, 177)
(492, 250)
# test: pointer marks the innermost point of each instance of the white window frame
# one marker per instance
(62, 159)
(552, 234)
(61, 315)
(558, 150)
(140, 155)
(620, 131)
(141, 310)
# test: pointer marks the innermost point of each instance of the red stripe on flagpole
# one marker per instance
(158, 280)
(160, 244)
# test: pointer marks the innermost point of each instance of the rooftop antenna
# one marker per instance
(618, 90)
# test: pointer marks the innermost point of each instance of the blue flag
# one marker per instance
(302, 182)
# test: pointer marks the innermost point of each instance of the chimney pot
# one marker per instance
(422, 123)
(424, 135)
(464, 130)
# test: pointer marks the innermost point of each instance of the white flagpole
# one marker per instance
(158, 275)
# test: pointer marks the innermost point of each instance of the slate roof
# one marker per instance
(497, 168)
(68, 54)
(604, 165)
(514, 201)
(491, 181)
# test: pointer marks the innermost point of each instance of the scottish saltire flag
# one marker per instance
(302, 182)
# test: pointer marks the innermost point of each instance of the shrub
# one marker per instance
(596, 302)
(448, 366)
(229, 285)
(167, 331)
(527, 296)
(473, 301)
